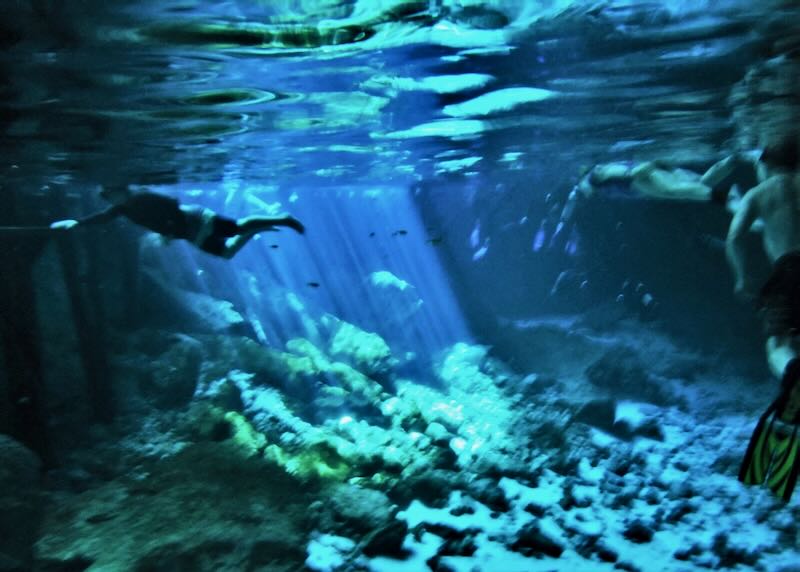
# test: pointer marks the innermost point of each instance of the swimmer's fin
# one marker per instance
(773, 455)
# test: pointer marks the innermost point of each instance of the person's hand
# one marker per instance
(64, 224)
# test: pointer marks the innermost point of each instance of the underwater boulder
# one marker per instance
(194, 311)
(549, 347)
(206, 508)
(172, 378)
(431, 487)
(488, 492)
(354, 511)
(534, 540)
(397, 299)
(225, 393)
(268, 366)
(623, 373)
(21, 502)
(463, 364)
(365, 351)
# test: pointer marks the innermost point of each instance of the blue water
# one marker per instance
(428, 148)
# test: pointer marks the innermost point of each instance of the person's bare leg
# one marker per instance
(251, 226)
(235, 244)
(255, 224)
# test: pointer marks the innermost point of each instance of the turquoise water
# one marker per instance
(479, 111)
(427, 378)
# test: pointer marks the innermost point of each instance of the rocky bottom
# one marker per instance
(325, 457)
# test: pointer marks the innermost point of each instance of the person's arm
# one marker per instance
(97, 218)
(720, 177)
(102, 217)
(734, 243)
(719, 171)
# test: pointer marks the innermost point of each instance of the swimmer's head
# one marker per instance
(782, 155)
(116, 194)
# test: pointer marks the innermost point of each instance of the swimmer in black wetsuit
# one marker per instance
(210, 232)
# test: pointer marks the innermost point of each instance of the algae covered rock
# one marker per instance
(268, 366)
(172, 377)
(211, 423)
(463, 363)
(207, 508)
(365, 351)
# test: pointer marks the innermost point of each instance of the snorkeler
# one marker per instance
(721, 184)
(773, 455)
(209, 231)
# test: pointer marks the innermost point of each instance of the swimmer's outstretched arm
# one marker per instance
(99, 218)
(719, 171)
(723, 169)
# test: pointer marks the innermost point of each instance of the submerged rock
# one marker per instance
(172, 378)
(365, 351)
(622, 373)
(194, 311)
(368, 514)
(351, 510)
(205, 509)
(639, 532)
(532, 540)
(20, 504)
(397, 299)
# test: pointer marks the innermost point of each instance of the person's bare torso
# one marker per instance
(778, 201)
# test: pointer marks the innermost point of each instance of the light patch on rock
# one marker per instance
(327, 552)
(385, 279)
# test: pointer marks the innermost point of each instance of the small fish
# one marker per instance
(435, 241)
(273, 246)
(400, 232)
(475, 235)
(372, 234)
(313, 284)
(481, 252)
(538, 239)
(573, 243)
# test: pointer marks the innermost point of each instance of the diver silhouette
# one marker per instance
(207, 230)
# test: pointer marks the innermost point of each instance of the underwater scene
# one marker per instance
(399, 286)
